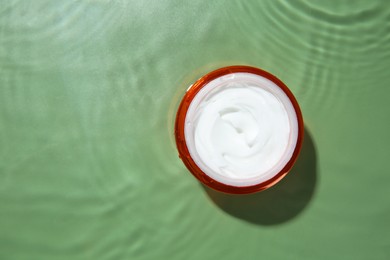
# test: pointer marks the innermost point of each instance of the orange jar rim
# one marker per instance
(183, 150)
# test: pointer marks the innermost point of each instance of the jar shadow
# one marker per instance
(280, 203)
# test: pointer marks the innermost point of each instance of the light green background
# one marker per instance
(88, 91)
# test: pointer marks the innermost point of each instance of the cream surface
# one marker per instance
(241, 129)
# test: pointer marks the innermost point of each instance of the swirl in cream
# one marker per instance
(241, 129)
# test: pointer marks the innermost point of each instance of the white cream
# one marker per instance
(241, 129)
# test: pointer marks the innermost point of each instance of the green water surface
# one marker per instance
(88, 92)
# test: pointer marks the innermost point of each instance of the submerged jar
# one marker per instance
(239, 129)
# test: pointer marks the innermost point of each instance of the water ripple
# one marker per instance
(88, 95)
(40, 39)
(317, 45)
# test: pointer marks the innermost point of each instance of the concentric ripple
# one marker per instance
(88, 87)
